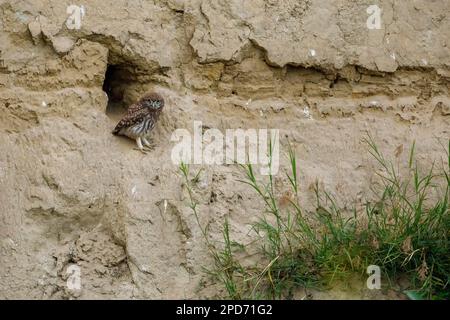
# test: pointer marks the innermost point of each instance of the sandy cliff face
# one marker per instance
(73, 194)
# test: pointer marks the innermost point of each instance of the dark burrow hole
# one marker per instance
(118, 79)
(333, 82)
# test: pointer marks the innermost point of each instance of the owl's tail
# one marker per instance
(116, 131)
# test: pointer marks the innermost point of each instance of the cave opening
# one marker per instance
(117, 78)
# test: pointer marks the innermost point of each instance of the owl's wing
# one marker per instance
(134, 115)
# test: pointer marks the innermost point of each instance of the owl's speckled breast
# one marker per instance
(140, 129)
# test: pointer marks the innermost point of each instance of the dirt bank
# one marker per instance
(72, 193)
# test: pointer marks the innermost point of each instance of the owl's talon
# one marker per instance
(141, 150)
(148, 145)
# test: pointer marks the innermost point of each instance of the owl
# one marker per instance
(140, 120)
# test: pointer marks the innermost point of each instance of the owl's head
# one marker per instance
(153, 101)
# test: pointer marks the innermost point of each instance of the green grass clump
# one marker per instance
(405, 231)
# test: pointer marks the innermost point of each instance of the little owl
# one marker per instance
(140, 120)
